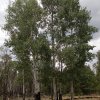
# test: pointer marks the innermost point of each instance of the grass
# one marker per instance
(50, 99)
(64, 98)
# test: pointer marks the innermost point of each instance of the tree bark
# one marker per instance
(72, 90)
(60, 85)
(60, 92)
(4, 91)
(60, 96)
(23, 86)
(36, 87)
(36, 82)
(54, 89)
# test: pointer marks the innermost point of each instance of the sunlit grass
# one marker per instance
(48, 98)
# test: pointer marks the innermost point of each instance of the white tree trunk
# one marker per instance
(72, 90)
(54, 89)
(36, 81)
(23, 86)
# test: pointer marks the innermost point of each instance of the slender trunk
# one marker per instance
(53, 53)
(60, 96)
(36, 82)
(5, 91)
(60, 92)
(57, 92)
(54, 89)
(60, 85)
(18, 96)
(37, 90)
(36, 87)
(72, 90)
(5, 87)
(23, 86)
(9, 88)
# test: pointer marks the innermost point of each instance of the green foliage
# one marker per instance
(84, 81)
(87, 80)
(98, 72)
(65, 37)
(22, 19)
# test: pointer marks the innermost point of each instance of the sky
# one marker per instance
(92, 5)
